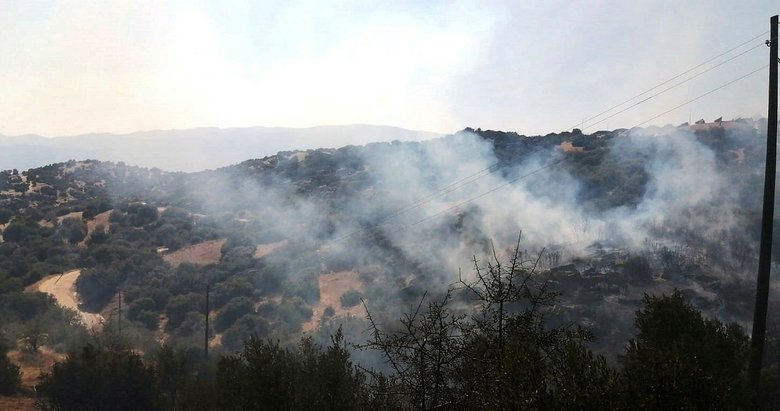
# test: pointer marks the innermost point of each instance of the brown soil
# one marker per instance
(567, 146)
(100, 219)
(17, 403)
(216, 341)
(263, 250)
(75, 214)
(32, 365)
(62, 287)
(332, 287)
(208, 252)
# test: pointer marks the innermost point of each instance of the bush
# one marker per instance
(232, 311)
(10, 377)
(98, 377)
(350, 298)
(329, 312)
(679, 359)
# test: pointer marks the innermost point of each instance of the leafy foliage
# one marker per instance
(266, 376)
(681, 360)
(10, 377)
(350, 298)
(97, 376)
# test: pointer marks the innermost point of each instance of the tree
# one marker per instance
(180, 305)
(265, 375)
(10, 377)
(679, 359)
(513, 359)
(184, 383)
(350, 298)
(74, 230)
(33, 336)
(260, 376)
(232, 311)
(503, 357)
(423, 353)
(97, 377)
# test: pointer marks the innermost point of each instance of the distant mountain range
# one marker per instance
(193, 149)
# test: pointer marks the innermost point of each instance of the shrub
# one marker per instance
(10, 377)
(350, 298)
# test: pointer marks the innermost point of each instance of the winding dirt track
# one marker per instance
(62, 287)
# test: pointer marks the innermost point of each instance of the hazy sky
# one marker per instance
(71, 67)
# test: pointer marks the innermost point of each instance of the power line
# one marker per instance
(492, 190)
(703, 95)
(559, 161)
(671, 79)
(672, 87)
(488, 170)
(456, 186)
(441, 192)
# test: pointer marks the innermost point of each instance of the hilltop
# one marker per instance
(193, 149)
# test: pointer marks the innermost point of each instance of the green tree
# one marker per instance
(99, 377)
(73, 230)
(681, 360)
(232, 311)
(265, 375)
(10, 377)
(350, 298)
(33, 336)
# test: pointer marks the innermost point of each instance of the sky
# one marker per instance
(534, 67)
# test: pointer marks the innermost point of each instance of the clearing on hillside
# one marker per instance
(332, 287)
(263, 250)
(99, 219)
(207, 252)
(33, 364)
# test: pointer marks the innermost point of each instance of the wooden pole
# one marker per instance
(206, 342)
(119, 315)
(767, 219)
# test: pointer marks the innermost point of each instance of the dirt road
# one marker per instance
(62, 287)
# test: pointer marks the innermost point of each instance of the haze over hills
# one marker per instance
(190, 150)
(290, 244)
(618, 213)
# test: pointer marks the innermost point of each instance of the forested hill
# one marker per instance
(615, 211)
(290, 243)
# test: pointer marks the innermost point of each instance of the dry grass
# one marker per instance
(332, 287)
(263, 250)
(75, 214)
(567, 146)
(33, 364)
(17, 403)
(208, 252)
(100, 219)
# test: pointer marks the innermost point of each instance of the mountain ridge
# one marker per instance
(190, 149)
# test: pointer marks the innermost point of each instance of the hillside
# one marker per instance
(608, 216)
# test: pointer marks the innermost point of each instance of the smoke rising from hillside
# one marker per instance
(618, 213)
(687, 190)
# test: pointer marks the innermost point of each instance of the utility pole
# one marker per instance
(767, 218)
(206, 342)
(119, 316)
